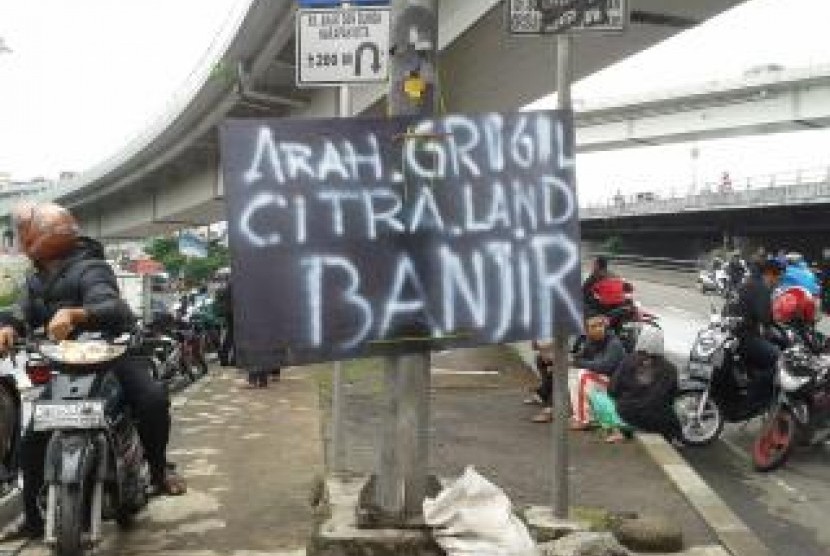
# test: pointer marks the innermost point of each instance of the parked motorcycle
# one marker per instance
(10, 416)
(192, 341)
(714, 281)
(628, 321)
(800, 412)
(95, 468)
(718, 388)
(175, 348)
(614, 298)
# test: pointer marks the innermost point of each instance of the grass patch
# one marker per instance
(596, 518)
(364, 374)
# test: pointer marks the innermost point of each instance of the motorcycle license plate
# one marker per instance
(82, 414)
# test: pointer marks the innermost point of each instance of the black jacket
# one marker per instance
(638, 388)
(754, 306)
(224, 303)
(83, 279)
(601, 357)
(736, 272)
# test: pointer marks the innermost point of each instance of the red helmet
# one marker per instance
(612, 291)
(46, 231)
(794, 304)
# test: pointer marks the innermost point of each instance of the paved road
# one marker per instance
(788, 509)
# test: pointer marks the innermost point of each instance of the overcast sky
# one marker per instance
(85, 76)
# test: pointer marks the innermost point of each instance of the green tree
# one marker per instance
(612, 245)
(166, 251)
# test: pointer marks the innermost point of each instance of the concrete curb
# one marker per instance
(731, 531)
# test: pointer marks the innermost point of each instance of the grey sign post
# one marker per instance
(340, 43)
(562, 18)
(559, 396)
(338, 400)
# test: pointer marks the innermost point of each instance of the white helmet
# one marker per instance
(650, 340)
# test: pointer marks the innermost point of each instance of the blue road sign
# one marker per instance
(336, 3)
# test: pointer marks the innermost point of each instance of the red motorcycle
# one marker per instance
(614, 297)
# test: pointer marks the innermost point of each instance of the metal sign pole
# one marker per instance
(338, 433)
(559, 397)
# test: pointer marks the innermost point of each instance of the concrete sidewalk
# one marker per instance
(250, 458)
(479, 420)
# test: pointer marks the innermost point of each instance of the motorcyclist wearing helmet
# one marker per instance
(798, 274)
(599, 272)
(754, 306)
(797, 308)
(73, 289)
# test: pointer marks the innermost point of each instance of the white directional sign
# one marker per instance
(342, 46)
(550, 17)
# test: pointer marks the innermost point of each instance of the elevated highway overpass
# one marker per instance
(168, 177)
(788, 210)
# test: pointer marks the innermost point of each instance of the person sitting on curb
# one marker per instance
(644, 387)
(542, 394)
(599, 358)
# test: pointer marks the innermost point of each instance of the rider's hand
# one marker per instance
(64, 322)
(7, 337)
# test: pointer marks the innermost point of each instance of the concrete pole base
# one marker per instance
(340, 535)
(370, 516)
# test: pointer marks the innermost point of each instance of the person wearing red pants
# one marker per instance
(597, 361)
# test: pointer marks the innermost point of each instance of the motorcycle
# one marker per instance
(10, 411)
(626, 317)
(192, 342)
(718, 388)
(800, 412)
(627, 322)
(175, 349)
(94, 468)
(716, 281)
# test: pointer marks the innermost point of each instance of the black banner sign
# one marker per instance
(350, 236)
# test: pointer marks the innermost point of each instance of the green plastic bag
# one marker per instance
(604, 410)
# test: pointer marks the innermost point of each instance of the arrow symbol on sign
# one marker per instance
(358, 53)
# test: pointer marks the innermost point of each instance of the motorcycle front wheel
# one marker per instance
(775, 440)
(698, 430)
(70, 520)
